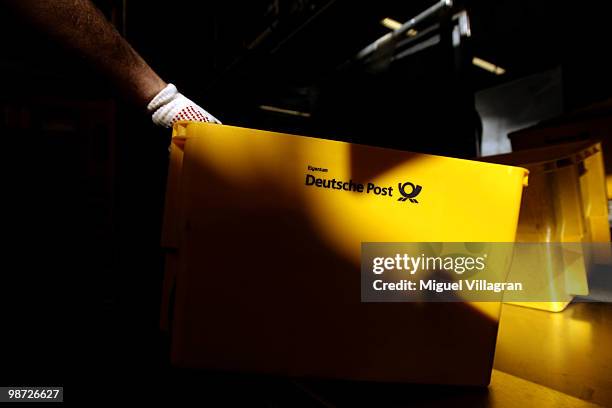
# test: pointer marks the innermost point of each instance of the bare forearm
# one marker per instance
(79, 25)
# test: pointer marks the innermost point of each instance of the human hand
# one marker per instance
(170, 106)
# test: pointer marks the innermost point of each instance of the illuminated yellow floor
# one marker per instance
(505, 391)
(509, 391)
(568, 351)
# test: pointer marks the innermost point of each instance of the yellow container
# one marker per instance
(264, 251)
(566, 201)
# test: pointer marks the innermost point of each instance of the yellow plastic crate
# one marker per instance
(266, 258)
(566, 201)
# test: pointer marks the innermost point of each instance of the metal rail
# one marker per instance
(405, 27)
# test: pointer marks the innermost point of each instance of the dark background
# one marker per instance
(84, 173)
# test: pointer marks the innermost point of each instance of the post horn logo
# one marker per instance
(415, 191)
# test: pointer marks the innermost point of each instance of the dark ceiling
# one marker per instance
(248, 52)
(216, 43)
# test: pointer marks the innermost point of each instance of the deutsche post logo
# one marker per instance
(409, 191)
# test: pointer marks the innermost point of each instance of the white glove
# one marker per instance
(169, 106)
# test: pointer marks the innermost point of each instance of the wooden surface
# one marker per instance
(569, 351)
(229, 390)
(551, 360)
(505, 391)
(509, 391)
